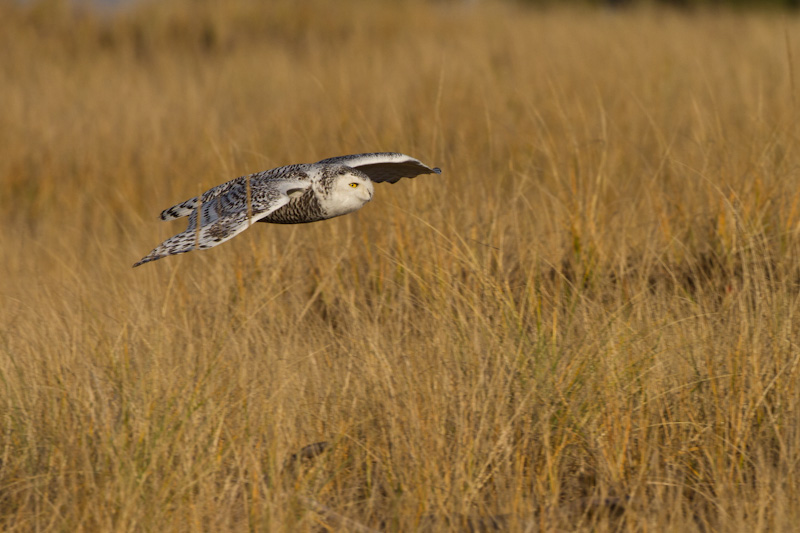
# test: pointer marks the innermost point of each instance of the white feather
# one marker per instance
(291, 194)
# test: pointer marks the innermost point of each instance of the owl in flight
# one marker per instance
(293, 194)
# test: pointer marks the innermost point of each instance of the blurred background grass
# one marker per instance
(587, 322)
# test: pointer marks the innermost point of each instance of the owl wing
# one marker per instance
(384, 166)
(224, 212)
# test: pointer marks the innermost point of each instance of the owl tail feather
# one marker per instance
(180, 210)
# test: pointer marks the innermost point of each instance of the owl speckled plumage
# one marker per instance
(293, 194)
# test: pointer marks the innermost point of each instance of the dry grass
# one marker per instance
(588, 322)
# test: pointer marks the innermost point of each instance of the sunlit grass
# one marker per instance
(586, 322)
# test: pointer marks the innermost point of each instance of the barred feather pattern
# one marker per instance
(308, 207)
(222, 217)
(305, 208)
(291, 194)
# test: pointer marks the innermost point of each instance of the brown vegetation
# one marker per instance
(586, 323)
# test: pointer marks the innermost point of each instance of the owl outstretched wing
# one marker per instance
(384, 166)
(228, 209)
(225, 212)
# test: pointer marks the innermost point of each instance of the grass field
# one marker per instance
(589, 321)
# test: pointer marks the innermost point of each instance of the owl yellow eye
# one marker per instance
(354, 185)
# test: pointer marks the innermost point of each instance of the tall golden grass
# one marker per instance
(588, 322)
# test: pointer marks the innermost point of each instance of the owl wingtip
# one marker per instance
(146, 259)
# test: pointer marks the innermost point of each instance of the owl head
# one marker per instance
(348, 190)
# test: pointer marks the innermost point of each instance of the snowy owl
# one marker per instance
(293, 194)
